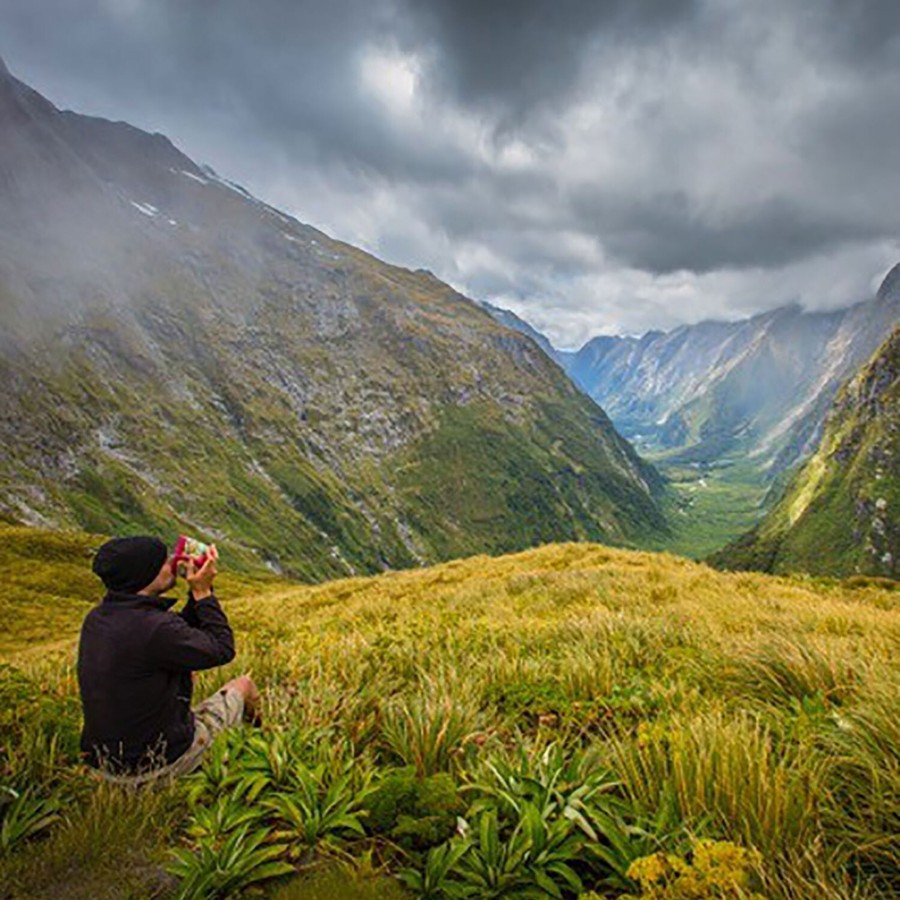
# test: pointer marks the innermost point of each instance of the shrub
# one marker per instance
(25, 814)
(415, 812)
(317, 806)
(717, 870)
(429, 729)
(212, 868)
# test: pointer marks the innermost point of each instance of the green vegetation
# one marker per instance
(708, 505)
(479, 483)
(838, 515)
(567, 720)
(550, 464)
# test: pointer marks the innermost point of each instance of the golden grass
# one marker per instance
(746, 701)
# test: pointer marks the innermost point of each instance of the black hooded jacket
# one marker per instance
(135, 660)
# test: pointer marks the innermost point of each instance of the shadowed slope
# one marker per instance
(839, 514)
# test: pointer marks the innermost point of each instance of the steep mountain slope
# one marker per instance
(757, 388)
(176, 354)
(508, 318)
(839, 514)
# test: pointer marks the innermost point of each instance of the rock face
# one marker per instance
(511, 320)
(175, 354)
(840, 514)
(757, 388)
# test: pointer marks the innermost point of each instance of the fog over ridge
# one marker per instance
(597, 167)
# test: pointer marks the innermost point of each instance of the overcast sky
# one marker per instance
(598, 166)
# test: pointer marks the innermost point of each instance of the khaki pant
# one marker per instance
(224, 709)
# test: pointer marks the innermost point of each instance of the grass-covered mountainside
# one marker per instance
(839, 514)
(175, 354)
(567, 720)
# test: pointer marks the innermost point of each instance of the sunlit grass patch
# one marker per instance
(726, 776)
(862, 757)
(604, 704)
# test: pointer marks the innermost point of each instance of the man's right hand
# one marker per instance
(200, 580)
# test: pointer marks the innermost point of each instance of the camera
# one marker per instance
(188, 549)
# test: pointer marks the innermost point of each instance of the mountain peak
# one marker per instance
(4, 72)
(890, 287)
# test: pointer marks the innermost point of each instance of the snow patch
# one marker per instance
(212, 175)
(192, 176)
(146, 208)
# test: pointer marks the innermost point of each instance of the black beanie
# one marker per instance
(129, 564)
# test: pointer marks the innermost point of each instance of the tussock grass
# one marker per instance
(789, 669)
(724, 775)
(734, 707)
(108, 847)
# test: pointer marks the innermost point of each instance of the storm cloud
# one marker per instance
(595, 165)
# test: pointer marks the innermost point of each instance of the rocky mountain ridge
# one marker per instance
(176, 354)
(839, 514)
(757, 388)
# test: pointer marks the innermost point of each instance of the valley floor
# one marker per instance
(566, 720)
(709, 506)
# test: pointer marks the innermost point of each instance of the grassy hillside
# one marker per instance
(173, 350)
(838, 514)
(568, 719)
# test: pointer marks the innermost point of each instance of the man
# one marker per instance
(135, 665)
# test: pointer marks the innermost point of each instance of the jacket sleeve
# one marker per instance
(189, 613)
(207, 641)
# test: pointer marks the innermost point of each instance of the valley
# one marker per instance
(620, 622)
(709, 505)
(726, 411)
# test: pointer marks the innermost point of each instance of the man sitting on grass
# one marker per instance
(135, 665)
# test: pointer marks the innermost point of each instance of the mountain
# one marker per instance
(511, 320)
(177, 355)
(839, 514)
(758, 388)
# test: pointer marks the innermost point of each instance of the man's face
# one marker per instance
(164, 581)
(167, 574)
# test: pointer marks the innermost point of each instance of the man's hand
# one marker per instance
(200, 580)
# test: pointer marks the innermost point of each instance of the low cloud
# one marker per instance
(596, 165)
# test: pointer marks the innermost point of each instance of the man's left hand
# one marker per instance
(201, 580)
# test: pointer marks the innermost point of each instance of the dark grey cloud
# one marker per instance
(861, 32)
(667, 234)
(268, 71)
(599, 164)
(511, 56)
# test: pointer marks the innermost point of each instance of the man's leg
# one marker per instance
(244, 685)
(236, 700)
